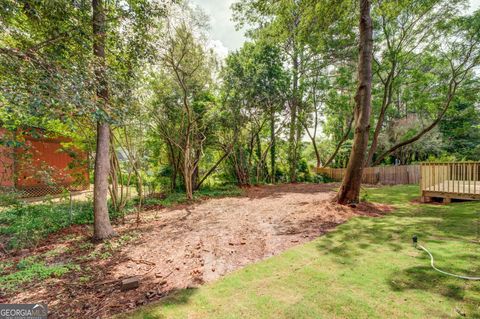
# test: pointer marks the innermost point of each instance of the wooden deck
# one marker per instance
(450, 181)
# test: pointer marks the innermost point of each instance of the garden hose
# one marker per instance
(432, 263)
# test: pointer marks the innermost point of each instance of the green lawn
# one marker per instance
(366, 268)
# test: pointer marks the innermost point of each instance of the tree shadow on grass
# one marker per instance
(354, 238)
(364, 237)
(154, 310)
(425, 278)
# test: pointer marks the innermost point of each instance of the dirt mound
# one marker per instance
(319, 216)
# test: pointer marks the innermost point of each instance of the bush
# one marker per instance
(30, 269)
(25, 224)
(179, 197)
(304, 174)
(9, 198)
(322, 178)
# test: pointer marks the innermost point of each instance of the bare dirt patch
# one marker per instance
(173, 249)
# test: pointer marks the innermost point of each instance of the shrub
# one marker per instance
(9, 198)
(30, 269)
(322, 178)
(26, 224)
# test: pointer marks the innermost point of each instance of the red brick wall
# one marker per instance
(46, 161)
(43, 164)
(6, 161)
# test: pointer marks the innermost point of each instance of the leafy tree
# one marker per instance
(47, 61)
(406, 31)
(461, 131)
(452, 70)
(184, 108)
(255, 82)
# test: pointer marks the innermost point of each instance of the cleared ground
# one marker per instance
(183, 247)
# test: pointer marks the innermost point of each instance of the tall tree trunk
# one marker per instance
(188, 170)
(350, 190)
(273, 147)
(292, 143)
(259, 168)
(173, 178)
(298, 139)
(241, 167)
(314, 143)
(174, 163)
(102, 227)
(196, 172)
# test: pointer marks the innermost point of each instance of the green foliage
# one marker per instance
(461, 131)
(46, 59)
(254, 89)
(304, 174)
(219, 191)
(294, 77)
(420, 43)
(178, 197)
(322, 178)
(26, 224)
(28, 270)
(9, 198)
(443, 158)
(430, 145)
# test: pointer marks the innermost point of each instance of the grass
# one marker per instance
(365, 268)
(25, 225)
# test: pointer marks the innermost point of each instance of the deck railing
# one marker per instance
(461, 178)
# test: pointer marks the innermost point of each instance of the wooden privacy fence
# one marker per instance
(386, 175)
(459, 180)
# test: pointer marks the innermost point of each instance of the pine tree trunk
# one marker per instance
(102, 226)
(273, 147)
(350, 190)
(259, 168)
(292, 142)
(188, 169)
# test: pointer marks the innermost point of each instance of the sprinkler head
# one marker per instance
(414, 240)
